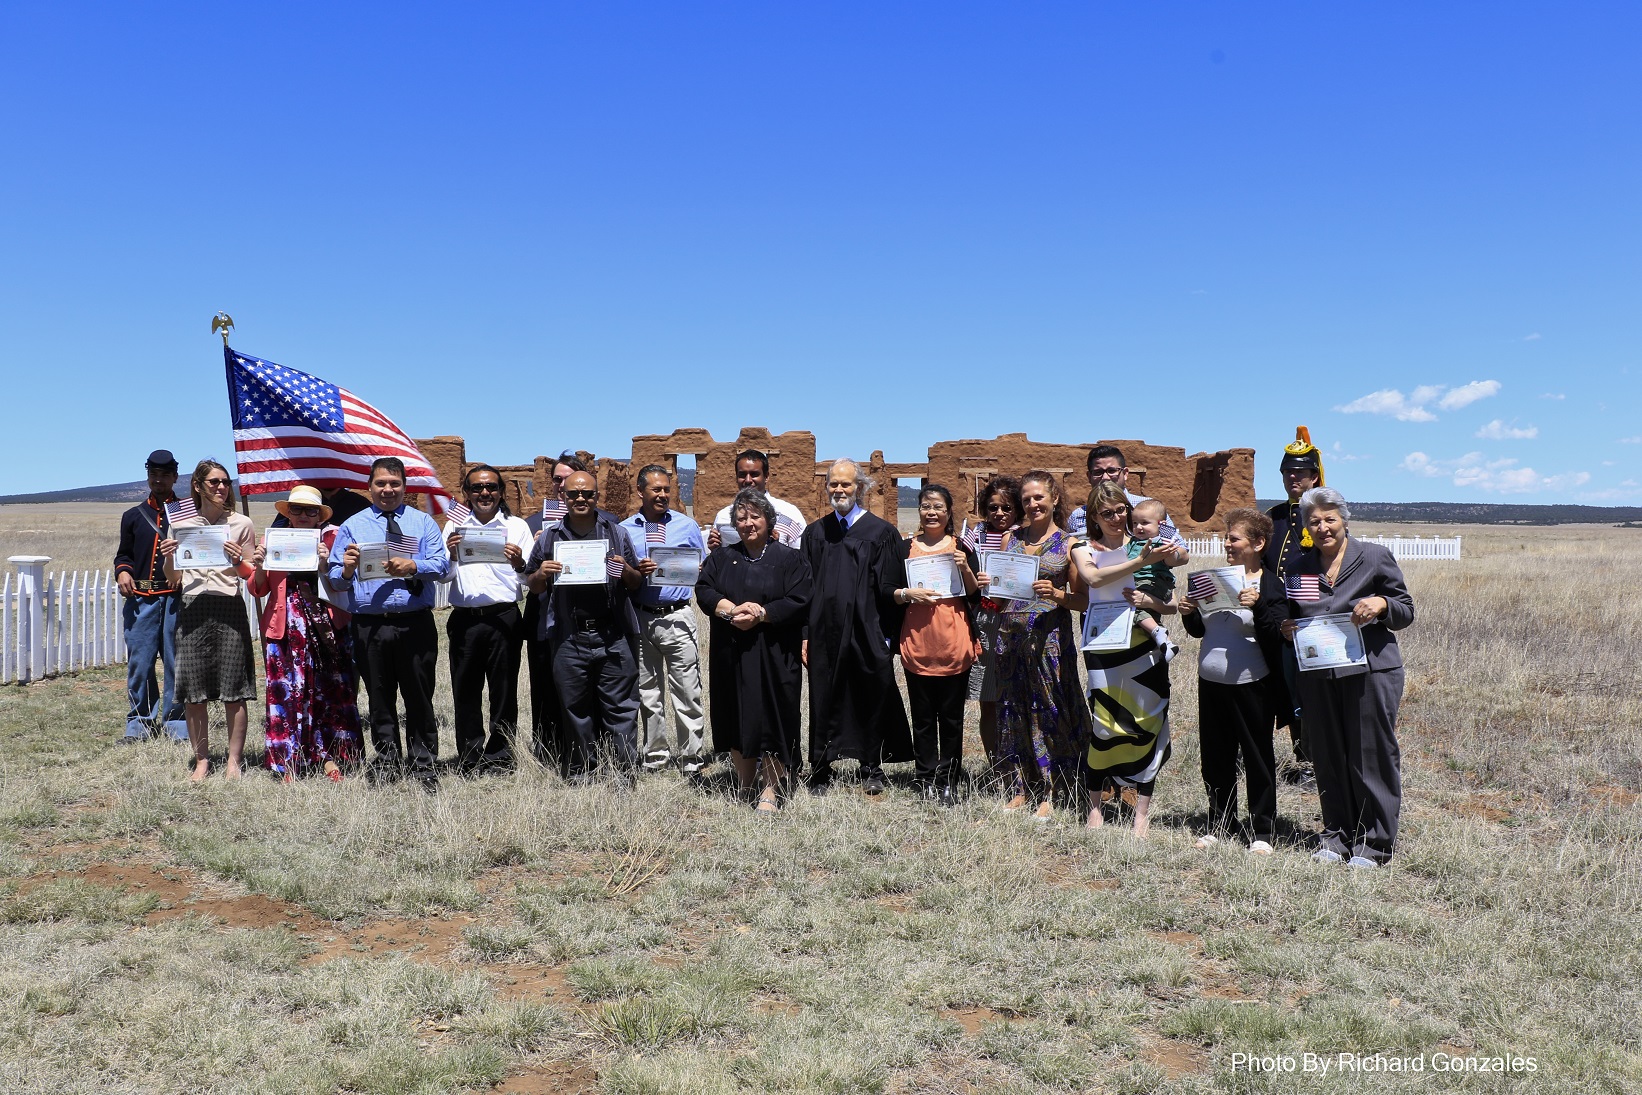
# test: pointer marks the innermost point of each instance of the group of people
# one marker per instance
(829, 603)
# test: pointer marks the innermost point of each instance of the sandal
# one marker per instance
(332, 772)
(768, 805)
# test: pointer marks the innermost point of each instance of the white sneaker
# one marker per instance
(1260, 847)
(1326, 855)
(655, 762)
(1206, 841)
(1360, 861)
(694, 765)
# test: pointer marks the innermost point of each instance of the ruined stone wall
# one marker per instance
(1198, 490)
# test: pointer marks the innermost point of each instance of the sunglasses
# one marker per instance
(300, 511)
(215, 482)
(484, 488)
(1000, 507)
(1112, 514)
(581, 495)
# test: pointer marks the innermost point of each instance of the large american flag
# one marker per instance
(292, 428)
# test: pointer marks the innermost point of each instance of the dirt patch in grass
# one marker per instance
(973, 1019)
(1176, 1059)
(558, 1078)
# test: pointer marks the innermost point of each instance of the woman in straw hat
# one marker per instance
(313, 716)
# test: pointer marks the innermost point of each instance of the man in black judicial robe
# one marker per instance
(855, 708)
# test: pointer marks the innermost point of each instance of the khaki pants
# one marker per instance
(669, 646)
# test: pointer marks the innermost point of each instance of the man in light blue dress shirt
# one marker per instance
(398, 652)
(669, 640)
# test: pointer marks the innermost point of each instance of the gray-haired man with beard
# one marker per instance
(855, 707)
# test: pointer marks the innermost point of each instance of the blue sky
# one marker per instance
(1413, 227)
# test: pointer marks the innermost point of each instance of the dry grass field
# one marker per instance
(514, 934)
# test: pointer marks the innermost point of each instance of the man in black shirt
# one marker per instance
(593, 631)
(151, 606)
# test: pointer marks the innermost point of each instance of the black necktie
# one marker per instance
(394, 536)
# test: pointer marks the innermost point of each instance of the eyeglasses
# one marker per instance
(215, 482)
(300, 511)
(484, 488)
(1106, 473)
(581, 495)
(1111, 514)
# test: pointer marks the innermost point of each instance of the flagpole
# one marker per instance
(222, 323)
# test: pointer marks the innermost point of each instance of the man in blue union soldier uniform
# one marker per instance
(151, 604)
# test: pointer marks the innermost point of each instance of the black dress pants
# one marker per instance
(937, 708)
(597, 675)
(1234, 720)
(484, 652)
(400, 656)
(545, 739)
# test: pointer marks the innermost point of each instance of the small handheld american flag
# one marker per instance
(1201, 587)
(655, 532)
(403, 547)
(614, 565)
(979, 539)
(787, 530)
(458, 514)
(183, 509)
(553, 509)
(1303, 587)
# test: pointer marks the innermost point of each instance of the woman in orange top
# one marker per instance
(938, 646)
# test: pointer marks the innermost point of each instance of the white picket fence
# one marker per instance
(57, 623)
(1402, 547)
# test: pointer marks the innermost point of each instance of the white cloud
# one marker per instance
(1413, 406)
(1497, 430)
(1501, 476)
(1637, 440)
(1388, 401)
(1338, 454)
(1467, 394)
(1627, 490)
(1535, 337)
(1553, 395)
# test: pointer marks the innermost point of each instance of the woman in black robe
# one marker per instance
(757, 592)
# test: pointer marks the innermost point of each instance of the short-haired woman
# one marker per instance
(757, 592)
(1351, 713)
(213, 630)
(937, 647)
(313, 710)
(1237, 663)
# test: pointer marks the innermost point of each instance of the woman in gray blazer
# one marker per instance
(1351, 712)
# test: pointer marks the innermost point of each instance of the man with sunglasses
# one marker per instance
(752, 469)
(545, 743)
(593, 631)
(1105, 463)
(484, 627)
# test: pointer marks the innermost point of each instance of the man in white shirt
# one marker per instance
(752, 469)
(484, 628)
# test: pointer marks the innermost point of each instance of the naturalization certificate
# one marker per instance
(291, 549)
(675, 566)
(1012, 575)
(482, 545)
(373, 562)
(1228, 585)
(1328, 642)
(583, 561)
(1107, 625)
(937, 572)
(199, 547)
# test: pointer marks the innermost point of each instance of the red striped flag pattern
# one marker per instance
(183, 509)
(614, 565)
(787, 530)
(553, 509)
(292, 428)
(979, 539)
(404, 547)
(458, 514)
(655, 532)
(1201, 587)
(1303, 587)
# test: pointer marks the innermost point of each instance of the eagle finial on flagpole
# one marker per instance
(222, 323)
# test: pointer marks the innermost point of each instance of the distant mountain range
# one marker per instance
(1437, 513)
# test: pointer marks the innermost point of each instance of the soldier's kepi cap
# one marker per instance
(162, 459)
(1302, 454)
